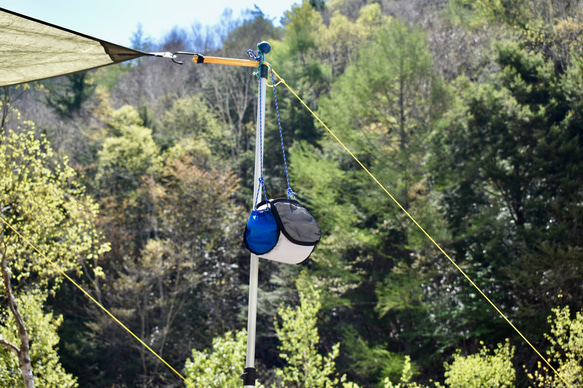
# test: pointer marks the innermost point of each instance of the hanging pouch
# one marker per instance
(279, 229)
(295, 222)
(261, 233)
(296, 234)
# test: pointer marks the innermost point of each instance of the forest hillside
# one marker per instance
(135, 180)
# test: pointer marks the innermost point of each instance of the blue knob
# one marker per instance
(264, 47)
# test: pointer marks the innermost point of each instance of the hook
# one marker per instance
(172, 56)
(180, 53)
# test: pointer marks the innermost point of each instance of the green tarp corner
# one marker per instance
(32, 50)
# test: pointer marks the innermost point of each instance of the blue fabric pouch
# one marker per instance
(261, 233)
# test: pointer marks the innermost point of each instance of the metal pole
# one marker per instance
(224, 61)
(250, 374)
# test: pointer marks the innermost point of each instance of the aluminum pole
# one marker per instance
(250, 374)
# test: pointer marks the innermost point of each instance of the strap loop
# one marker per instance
(290, 192)
(259, 57)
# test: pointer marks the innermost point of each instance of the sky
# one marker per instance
(116, 20)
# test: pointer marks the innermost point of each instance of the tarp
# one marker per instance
(32, 50)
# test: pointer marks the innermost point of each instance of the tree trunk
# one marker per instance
(23, 352)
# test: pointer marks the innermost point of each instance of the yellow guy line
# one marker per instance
(94, 301)
(423, 230)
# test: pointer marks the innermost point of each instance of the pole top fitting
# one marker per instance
(264, 47)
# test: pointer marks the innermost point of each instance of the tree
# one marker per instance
(566, 351)
(229, 90)
(373, 363)
(339, 42)
(42, 327)
(508, 156)
(382, 107)
(187, 271)
(482, 370)
(388, 95)
(297, 56)
(221, 365)
(67, 98)
(40, 199)
(140, 41)
(126, 156)
(494, 367)
(551, 29)
(191, 118)
(175, 227)
(299, 346)
(406, 374)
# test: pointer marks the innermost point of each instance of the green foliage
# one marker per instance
(40, 198)
(400, 291)
(321, 184)
(301, 24)
(220, 366)
(42, 329)
(67, 98)
(490, 166)
(340, 41)
(475, 13)
(552, 29)
(109, 76)
(494, 368)
(386, 86)
(128, 155)
(375, 362)
(190, 118)
(297, 56)
(176, 237)
(382, 108)
(406, 374)
(566, 351)
(298, 334)
(322, 181)
(482, 370)
(497, 154)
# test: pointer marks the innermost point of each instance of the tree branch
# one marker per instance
(23, 354)
(10, 346)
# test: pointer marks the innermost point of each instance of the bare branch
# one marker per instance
(10, 346)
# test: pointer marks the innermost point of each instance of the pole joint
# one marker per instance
(249, 377)
(263, 70)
